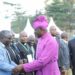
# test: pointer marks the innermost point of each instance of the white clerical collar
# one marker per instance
(24, 43)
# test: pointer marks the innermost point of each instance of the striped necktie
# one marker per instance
(8, 55)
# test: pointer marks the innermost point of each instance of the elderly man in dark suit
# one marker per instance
(24, 49)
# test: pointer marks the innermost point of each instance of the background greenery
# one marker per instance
(63, 14)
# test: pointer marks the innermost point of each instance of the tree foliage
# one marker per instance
(61, 12)
(31, 18)
(19, 23)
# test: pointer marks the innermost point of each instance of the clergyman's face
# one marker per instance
(38, 33)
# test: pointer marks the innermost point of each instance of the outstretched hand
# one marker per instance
(18, 69)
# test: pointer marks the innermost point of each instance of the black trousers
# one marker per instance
(30, 73)
(73, 71)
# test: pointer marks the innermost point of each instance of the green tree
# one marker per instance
(60, 11)
(19, 23)
(31, 18)
(72, 13)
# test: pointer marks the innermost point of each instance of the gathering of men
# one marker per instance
(48, 53)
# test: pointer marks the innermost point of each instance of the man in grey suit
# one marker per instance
(65, 53)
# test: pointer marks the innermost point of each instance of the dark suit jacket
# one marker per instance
(34, 46)
(71, 45)
(24, 50)
(24, 53)
(13, 54)
(63, 57)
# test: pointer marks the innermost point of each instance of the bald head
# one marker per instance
(23, 37)
(23, 33)
(53, 30)
(64, 36)
(31, 38)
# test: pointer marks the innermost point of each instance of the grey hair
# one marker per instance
(5, 33)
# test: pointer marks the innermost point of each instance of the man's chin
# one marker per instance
(38, 36)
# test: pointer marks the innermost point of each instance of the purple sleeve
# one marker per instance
(44, 59)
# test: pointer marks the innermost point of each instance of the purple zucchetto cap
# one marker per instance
(40, 21)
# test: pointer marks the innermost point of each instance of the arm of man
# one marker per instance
(5, 64)
(45, 57)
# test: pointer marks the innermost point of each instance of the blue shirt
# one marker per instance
(6, 64)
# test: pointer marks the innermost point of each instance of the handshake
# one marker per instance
(18, 69)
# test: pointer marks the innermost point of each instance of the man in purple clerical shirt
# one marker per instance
(46, 52)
